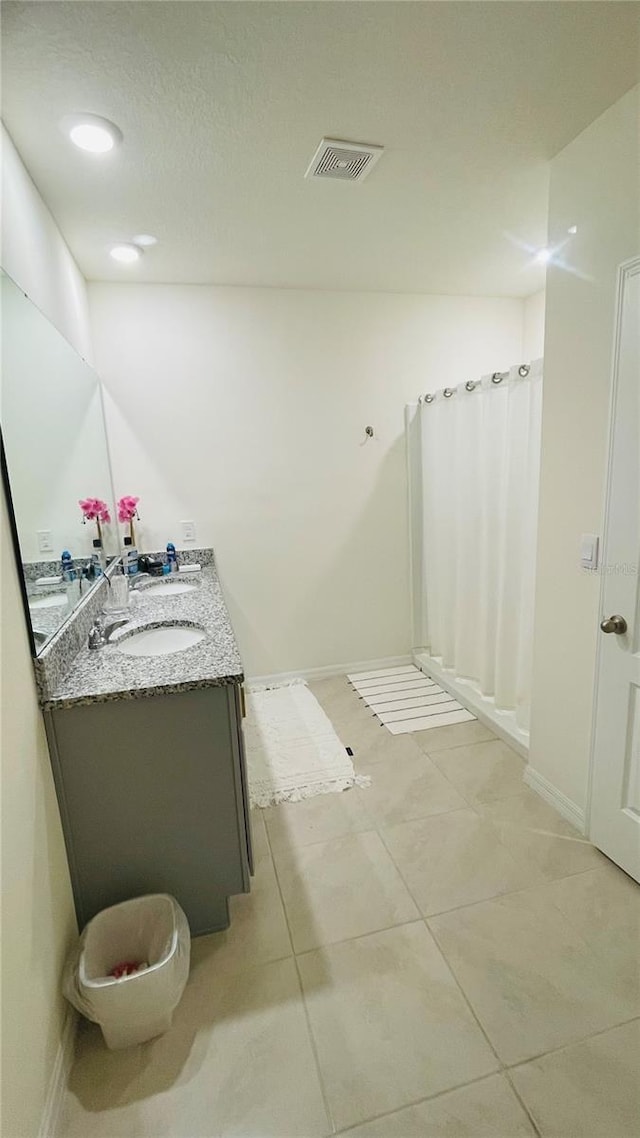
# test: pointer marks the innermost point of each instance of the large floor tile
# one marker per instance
(318, 819)
(238, 1061)
(486, 1109)
(389, 1023)
(339, 700)
(483, 771)
(457, 735)
(532, 979)
(340, 889)
(409, 787)
(102, 1097)
(532, 829)
(381, 747)
(455, 859)
(333, 692)
(604, 906)
(364, 734)
(589, 1090)
(258, 931)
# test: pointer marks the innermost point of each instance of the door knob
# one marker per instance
(615, 624)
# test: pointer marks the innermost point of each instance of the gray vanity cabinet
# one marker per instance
(153, 797)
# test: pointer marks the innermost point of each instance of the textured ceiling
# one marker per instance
(222, 106)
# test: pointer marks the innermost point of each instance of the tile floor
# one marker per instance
(440, 955)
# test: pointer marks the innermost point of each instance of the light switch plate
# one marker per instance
(589, 544)
(45, 541)
(188, 530)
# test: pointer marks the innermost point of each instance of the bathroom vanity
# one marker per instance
(145, 727)
(148, 761)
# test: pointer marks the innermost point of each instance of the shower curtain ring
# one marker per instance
(448, 392)
(524, 370)
(470, 385)
(497, 377)
(428, 398)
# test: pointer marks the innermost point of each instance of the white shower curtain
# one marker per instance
(474, 458)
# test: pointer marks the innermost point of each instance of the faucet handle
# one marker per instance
(96, 634)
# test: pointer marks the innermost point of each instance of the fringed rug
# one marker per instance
(404, 699)
(292, 749)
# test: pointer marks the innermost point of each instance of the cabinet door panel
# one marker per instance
(149, 798)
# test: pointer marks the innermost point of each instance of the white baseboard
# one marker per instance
(565, 806)
(59, 1077)
(502, 723)
(332, 670)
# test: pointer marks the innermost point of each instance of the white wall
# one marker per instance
(53, 430)
(533, 332)
(35, 255)
(245, 410)
(37, 912)
(594, 186)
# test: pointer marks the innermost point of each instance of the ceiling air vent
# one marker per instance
(348, 161)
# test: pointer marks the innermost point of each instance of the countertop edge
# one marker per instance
(142, 693)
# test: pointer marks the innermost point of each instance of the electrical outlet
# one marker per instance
(188, 531)
(45, 541)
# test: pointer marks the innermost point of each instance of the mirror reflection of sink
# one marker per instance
(167, 589)
(160, 641)
(52, 601)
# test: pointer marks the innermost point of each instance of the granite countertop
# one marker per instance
(46, 621)
(48, 606)
(108, 674)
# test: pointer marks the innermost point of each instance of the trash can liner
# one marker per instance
(139, 1006)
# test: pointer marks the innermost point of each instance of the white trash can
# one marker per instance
(151, 930)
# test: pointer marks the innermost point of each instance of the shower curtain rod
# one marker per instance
(471, 384)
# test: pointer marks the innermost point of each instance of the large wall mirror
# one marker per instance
(55, 457)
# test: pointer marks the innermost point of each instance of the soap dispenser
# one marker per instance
(66, 566)
(172, 557)
(97, 559)
(72, 583)
(130, 559)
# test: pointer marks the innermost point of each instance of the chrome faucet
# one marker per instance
(100, 634)
(139, 580)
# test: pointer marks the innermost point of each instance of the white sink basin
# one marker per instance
(161, 641)
(168, 589)
(54, 600)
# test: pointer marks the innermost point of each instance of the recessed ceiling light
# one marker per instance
(126, 254)
(91, 132)
(572, 229)
(144, 240)
(543, 256)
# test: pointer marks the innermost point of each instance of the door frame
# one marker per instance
(625, 270)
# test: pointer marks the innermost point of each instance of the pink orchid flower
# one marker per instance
(94, 509)
(127, 508)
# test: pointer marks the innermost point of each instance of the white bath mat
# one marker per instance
(292, 749)
(404, 699)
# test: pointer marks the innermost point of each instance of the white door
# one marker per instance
(615, 785)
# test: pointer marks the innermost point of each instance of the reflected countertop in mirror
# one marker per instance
(55, 455)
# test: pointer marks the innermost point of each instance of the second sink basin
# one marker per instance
(168, 589)
(54, 600)
(161, 640)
